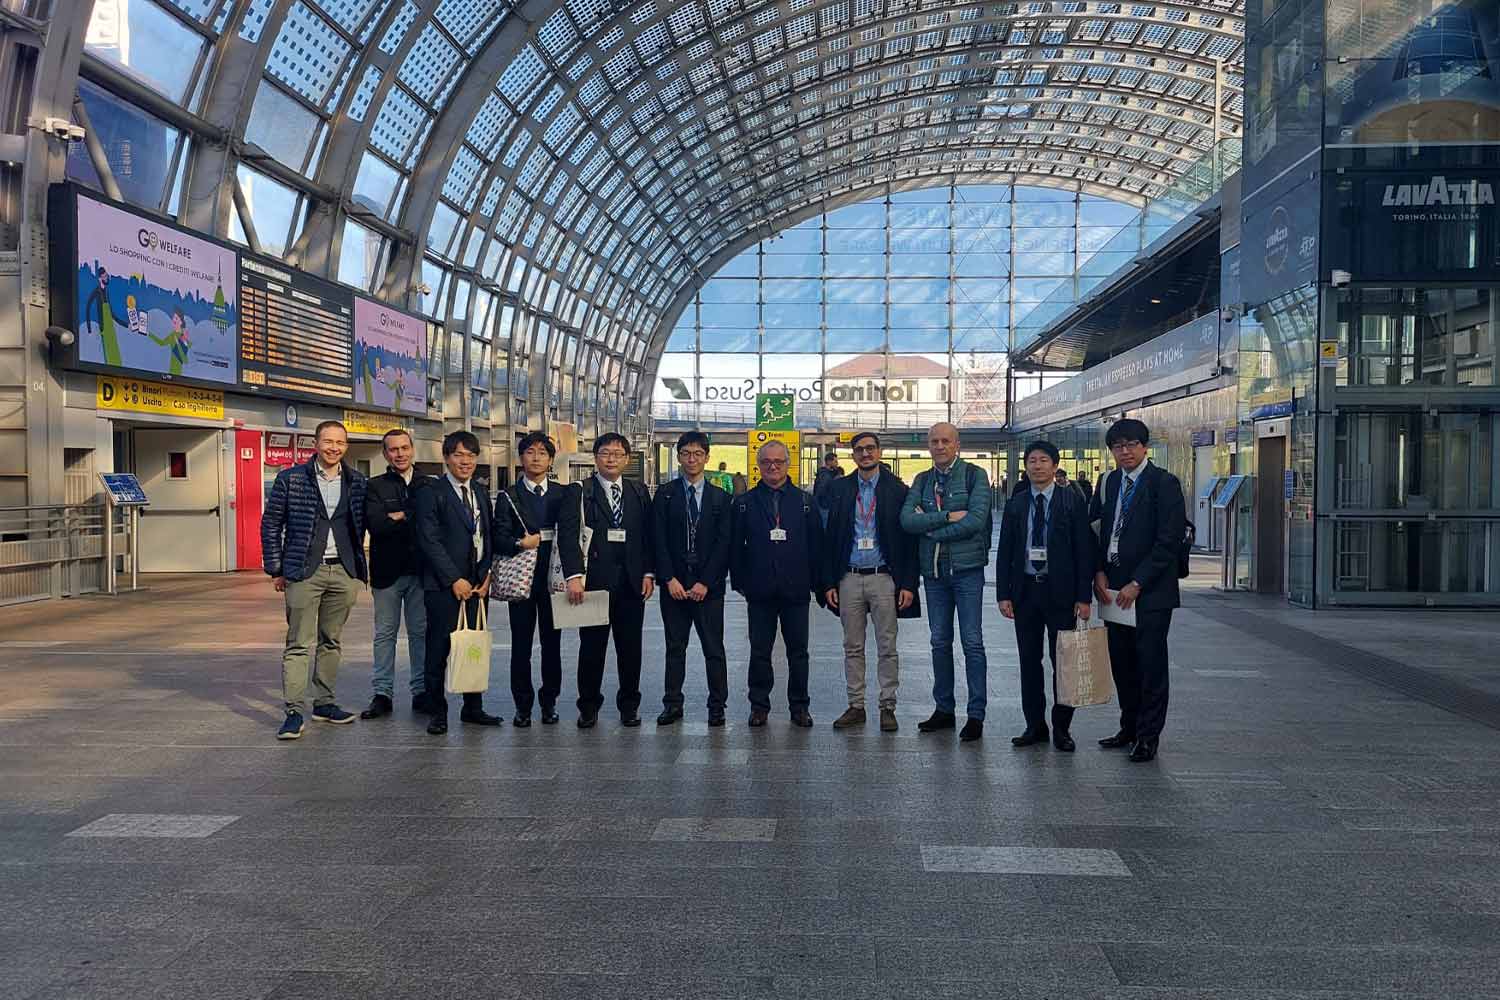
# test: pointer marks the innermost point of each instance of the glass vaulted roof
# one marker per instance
(609, 156)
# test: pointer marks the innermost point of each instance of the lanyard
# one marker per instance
(866, 517)
(942, 485)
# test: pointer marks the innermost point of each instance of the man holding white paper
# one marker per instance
(1142, 521)
(617, 512)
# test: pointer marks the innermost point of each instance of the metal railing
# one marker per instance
(61, 550)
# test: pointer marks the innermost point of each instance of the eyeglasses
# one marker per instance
(866, 449)
(692, 453)
(611, 453)
(774, 463)
(1125, 445)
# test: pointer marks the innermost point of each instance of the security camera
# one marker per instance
(1227, 314)
(63, 129)
(422, 288)
(1340, 279)
(59, 335)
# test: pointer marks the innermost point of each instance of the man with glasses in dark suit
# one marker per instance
(691, 536)
(1142, 523)
(619, 561)
(454, 533)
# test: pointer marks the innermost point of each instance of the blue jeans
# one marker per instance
(406, 593)
(962, 591)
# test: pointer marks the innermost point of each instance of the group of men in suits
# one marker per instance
(439, 537)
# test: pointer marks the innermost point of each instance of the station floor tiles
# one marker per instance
(1310, 829)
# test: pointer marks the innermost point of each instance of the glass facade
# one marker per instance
(897, 312)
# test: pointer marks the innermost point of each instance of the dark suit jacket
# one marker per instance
(1071, 557)
(669, 534)
(1150, 537)
(444, 538)
(764, 570)
(536, 514)
(606, 559)
(898, 547)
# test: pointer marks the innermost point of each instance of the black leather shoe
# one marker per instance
(1143, 751)
(936, 722)
(972, 730)
(438, 726)
(1063, 742)
(549, 717)
(479, 717)
(521, 722)
(379, 705)
(758, 718)
(669, 716)
(419, 705)
(630, 721)
(1033, 734)
(587, 721)
(802, 720)
(1118, 741)
(715, 719)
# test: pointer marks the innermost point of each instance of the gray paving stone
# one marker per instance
(1024, 861)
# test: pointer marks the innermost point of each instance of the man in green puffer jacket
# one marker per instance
(948, 508)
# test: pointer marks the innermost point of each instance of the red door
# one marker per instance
(247, 494)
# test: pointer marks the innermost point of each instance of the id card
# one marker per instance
(867, 544)
(615, 535)
(548, 534)
(1036, 554)
(778, 534)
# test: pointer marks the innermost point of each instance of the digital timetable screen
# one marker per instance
(296, 333)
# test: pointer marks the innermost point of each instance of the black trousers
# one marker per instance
(442, 619)
(1032, 621)
(1138, 662)
(627, 613)
(526, 616)
(678, 619)
(765, 616)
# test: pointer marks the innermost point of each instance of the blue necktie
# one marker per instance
(1039, 528)
(692, 518)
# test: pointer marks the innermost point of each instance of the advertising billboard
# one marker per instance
(149, 297)
(390, 364)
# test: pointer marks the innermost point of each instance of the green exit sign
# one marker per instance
(775, 410)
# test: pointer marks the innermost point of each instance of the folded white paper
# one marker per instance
(593, 611)
(1111, 612)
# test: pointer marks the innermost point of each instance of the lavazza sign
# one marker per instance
(1438, 200)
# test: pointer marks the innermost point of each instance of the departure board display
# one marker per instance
(296, 333)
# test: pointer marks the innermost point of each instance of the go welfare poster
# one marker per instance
(152, 299)
(390, 373)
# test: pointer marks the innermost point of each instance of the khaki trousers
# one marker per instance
(869, 598)
(316, 609)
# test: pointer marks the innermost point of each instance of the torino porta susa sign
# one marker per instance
(866, 390)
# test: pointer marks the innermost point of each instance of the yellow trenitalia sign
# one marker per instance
(133, 395)
(793, 442)
(359, 422)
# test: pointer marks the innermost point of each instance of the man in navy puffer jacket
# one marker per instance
(312, 537)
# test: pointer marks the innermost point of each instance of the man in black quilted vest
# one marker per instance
(312, 537)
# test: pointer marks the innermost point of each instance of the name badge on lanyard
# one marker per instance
(778, 534)
(548, 534)
(615, 535)
(1037, 553)
(867, 518)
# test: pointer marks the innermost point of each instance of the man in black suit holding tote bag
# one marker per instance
(1043, 572)
(1142, 524)
(617, 511)
(454, 532)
